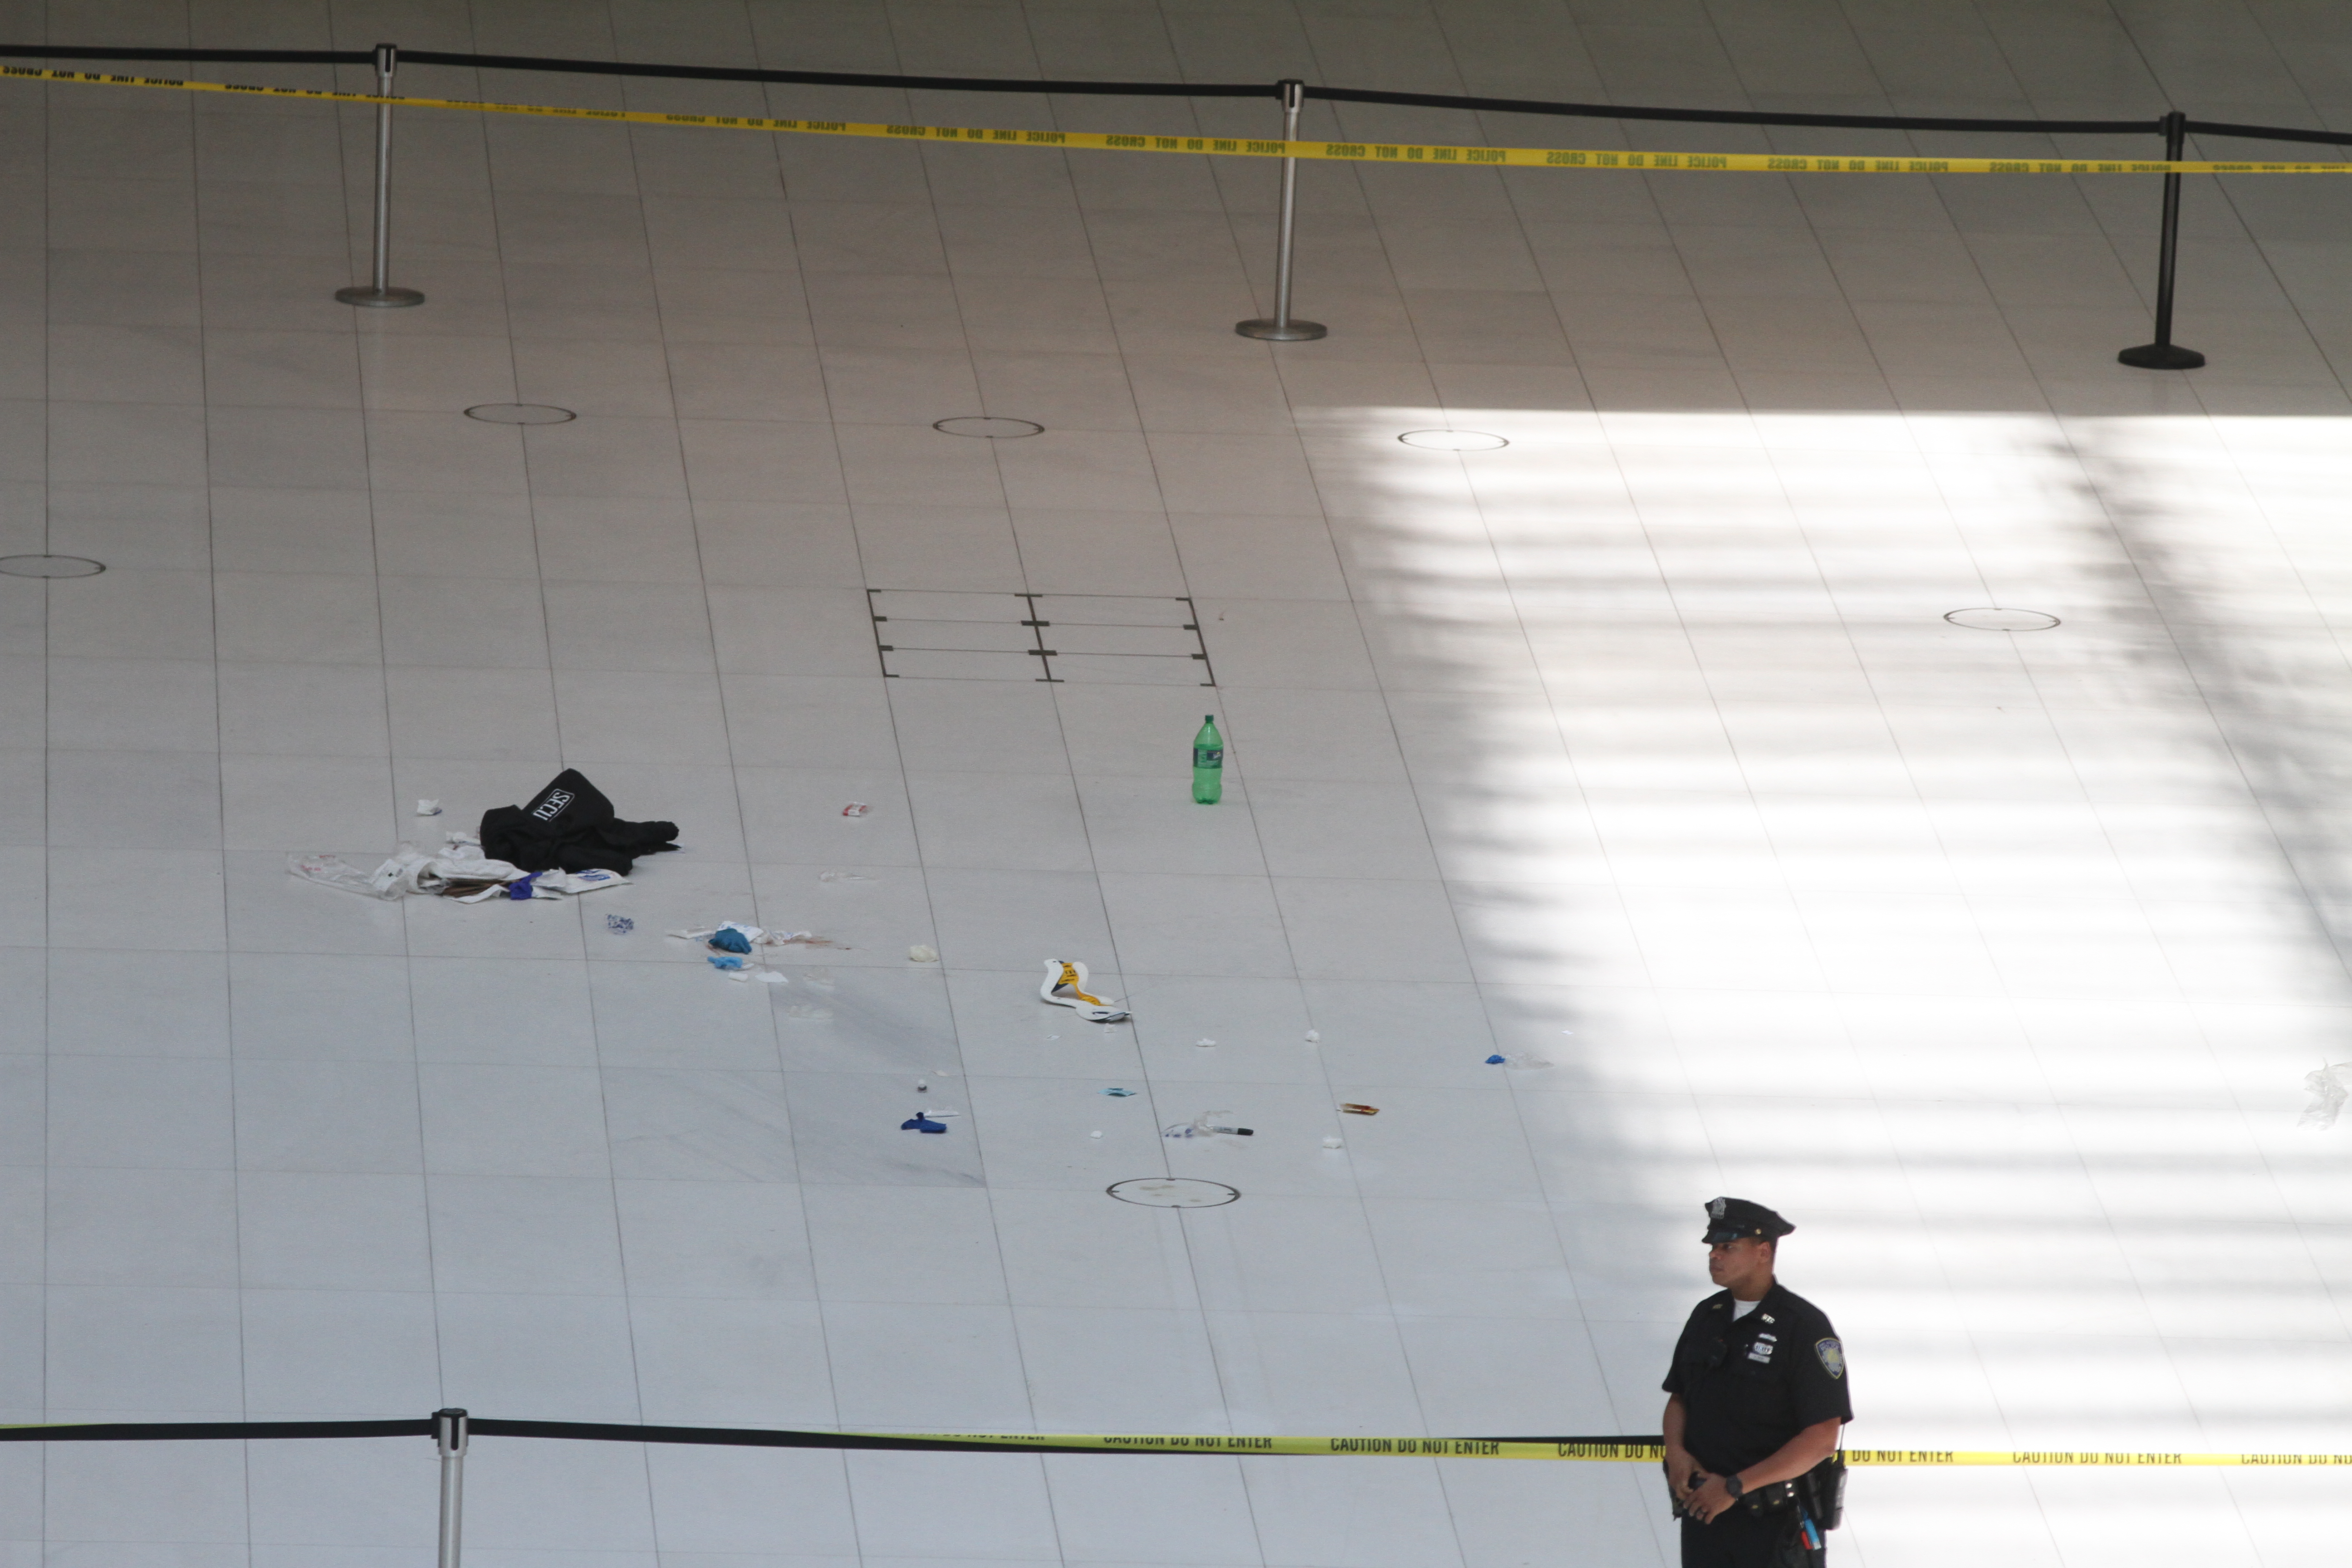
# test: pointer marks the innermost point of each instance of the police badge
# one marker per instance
(1833, 1356)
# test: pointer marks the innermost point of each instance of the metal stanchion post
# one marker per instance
(1281, 328)
(2164, 353)
(449, 1435)
(380, 291)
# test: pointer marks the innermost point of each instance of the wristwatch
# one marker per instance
(1732, 1484)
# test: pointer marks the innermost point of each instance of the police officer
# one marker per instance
(1758, 1394)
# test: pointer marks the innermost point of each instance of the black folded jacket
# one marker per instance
(569, 826)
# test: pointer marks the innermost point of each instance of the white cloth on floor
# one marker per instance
(411, 872)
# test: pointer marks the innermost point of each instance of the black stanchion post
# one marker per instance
(2164, 353)
(449, 1437)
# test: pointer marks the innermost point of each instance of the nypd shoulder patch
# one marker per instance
(1833, 1356)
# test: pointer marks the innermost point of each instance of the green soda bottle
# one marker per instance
(1208, 763)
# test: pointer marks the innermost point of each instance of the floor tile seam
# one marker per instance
(49, 873)
(1087, 227)
(2335, 375)
(1548, 682)
(222, 825)
(1547, 1184)
(1920, 1212)
(931, 912)
(1546, 1180)
(2147, 1302)
(1961, 536)
(2186, 636)
(2083, 1173)
(1429, 837)
(956, 284)
(1856, 653)
(2152, 593)
(1358, 606)
(1219, 1353)
(1568, 746)
(1821, 250)
(2123, 30)
(2311, 898)
(892, 22)
(2253, 16)
(496, 262)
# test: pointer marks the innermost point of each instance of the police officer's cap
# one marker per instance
(1729, 1220)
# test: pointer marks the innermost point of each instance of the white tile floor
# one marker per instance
(1996, 960)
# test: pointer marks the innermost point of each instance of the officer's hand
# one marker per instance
(1708, 1500)
(1682, 1473)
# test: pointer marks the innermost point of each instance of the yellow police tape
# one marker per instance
(1646, 1453)
(1239, 147)
(1602, 1451)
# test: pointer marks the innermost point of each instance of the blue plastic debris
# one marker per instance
(1119, 1093)
(729, 940)
(730, 962)
(919, 1122)
(1495, 1061)
(520, 888)
(619, 925)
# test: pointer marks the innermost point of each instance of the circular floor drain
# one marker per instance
(1991, 620)
(521, 413)
(1173, 1192)
(49, 566)
(1453, 440)
(990, 430)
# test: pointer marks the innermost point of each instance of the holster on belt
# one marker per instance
(1819, 1494)
(1822, 1491)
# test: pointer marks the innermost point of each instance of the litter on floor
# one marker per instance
(567, 841)
(1065, 987)
(458, 870)
(569, 826)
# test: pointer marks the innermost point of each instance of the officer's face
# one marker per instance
(1732, 1263)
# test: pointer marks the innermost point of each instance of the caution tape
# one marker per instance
(1243, 147)
(1603, 1452)
(1634, 1450)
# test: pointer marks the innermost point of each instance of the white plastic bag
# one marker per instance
(408, 871)
(334, 871)
(2328, 1088)
(586, 881)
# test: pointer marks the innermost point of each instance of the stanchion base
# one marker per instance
(381, 299)
(1293, 332)
(2161, 356)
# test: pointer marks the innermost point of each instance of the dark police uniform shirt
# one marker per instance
(1748, 1386)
